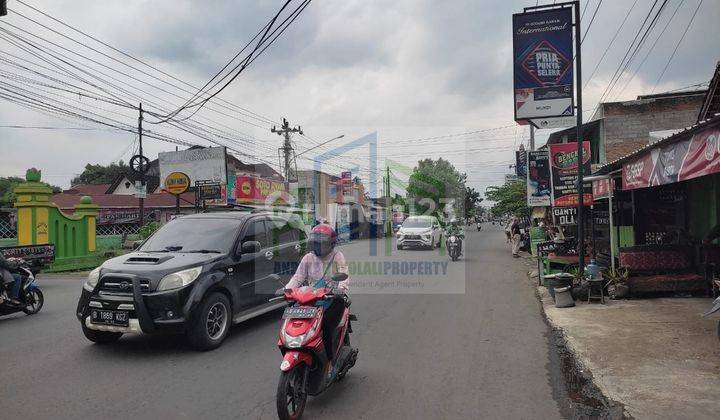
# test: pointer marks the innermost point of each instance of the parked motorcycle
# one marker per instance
(479, 226)
(30, 297)
(306, 369)
(715, 308)
(454, 247)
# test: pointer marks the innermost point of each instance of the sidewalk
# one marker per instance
(658, 357)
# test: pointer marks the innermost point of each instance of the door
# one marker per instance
(285, 248)
(254, 268)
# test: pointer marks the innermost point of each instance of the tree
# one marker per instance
(472, 199)
(7, 185)
(99, 174)
(433, 185)
(510, 198)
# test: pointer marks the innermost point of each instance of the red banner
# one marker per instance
(253, 190)
(602, 188)
(564, 174)
(692, 158)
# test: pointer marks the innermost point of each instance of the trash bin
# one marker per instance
(557, 281)
(564, 298)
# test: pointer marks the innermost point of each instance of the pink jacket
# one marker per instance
(311, 269)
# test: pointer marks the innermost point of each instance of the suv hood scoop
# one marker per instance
(147, 259)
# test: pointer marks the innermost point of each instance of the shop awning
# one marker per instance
(691, 153)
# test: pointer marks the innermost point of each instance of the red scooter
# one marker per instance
(306, 369)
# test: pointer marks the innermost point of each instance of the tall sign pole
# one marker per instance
(579, 138)
(142, 174)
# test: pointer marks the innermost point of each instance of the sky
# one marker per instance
(405, 69)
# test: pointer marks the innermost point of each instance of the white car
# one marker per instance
(419, 231)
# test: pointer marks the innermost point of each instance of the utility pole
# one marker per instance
(579, 138)
(3, 7)
(142, 173)
(287, 150)
(532, 137)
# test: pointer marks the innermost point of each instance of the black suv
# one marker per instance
(197, 275)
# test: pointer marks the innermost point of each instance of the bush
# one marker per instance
(148, 229)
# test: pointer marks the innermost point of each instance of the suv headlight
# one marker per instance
(179, 279)
(92, 280)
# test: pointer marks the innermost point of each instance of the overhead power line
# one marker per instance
(677, 45)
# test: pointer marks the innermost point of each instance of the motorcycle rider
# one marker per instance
(315, 269)
(454, 229)
(7, 277)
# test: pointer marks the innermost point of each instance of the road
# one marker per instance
(462, 340)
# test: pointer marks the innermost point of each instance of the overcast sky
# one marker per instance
(405, 69)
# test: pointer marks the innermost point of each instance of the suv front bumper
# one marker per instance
(149, 312)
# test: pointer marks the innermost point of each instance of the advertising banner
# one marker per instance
(208, 163)
(601, 188)
(564, 174)
(542, 64)
(252, 190)
(538, 179)
(688, 159)
(521, 163)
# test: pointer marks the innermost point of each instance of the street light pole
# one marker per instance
(579, 139)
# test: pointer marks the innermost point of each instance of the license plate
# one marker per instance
(300, 312)
(118, 318)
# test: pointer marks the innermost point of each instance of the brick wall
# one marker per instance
(627, 125)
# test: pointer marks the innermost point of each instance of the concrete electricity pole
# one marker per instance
(287, 150)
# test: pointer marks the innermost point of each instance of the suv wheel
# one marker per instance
(100, 337)
(212, 323)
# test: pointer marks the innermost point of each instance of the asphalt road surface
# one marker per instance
(437, 339)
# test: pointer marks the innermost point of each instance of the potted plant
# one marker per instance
(617, 283)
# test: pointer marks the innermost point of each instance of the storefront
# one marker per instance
(665, 203)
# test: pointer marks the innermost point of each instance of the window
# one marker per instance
(282, 232)
(256, 232)
(193, 234)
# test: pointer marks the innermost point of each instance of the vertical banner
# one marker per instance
(564, 174)
(542, 64)
(521, 163)
(538, 179)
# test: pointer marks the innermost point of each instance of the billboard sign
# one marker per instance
(543, 64)
(177, 183)
(252, 190)
(206, 164)
(538, 179)
(564, 174)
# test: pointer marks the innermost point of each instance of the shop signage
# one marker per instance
(559, 122)
(43, 253)
(521, 163)
(250, 189)
(140, 190)
(565, 216)
(538, 179)
(177, 183)
(543, 68)
(692, 158)
(346, 175)
(564, 174)
(601, 218)
(601, 188)
(210, 191)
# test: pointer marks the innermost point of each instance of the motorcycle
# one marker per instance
(454, 247)
(306, 369)
(479, 226)
(715, 308)
(30, 297)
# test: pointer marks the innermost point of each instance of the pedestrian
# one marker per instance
(508, 235)
(515, 234)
